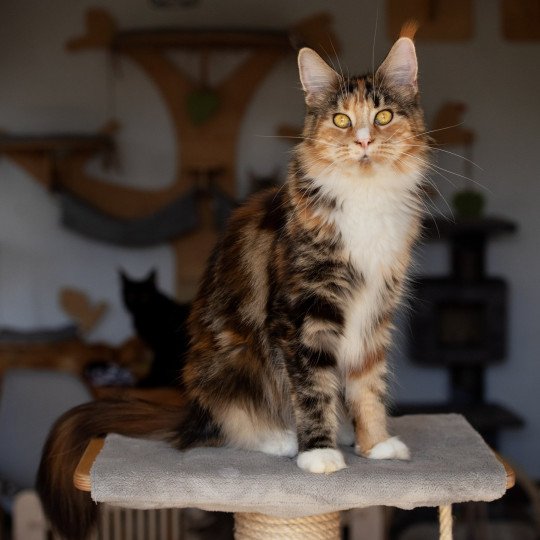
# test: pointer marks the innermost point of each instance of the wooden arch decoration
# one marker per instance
(200, 148)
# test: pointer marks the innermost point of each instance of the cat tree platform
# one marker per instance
(272, 498)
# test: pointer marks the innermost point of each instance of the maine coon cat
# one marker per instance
(161, 323)
(292, 321)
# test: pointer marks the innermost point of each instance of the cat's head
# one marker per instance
(138, 293)
(364, 126)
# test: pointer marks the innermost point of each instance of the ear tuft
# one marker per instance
(400, 67)
(316, 75)
(409, 28)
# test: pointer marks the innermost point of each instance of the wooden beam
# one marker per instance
(202, 39)
(62, 143)
(81, 476)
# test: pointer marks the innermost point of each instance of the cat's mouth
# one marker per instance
(369, 162)
(365, 160)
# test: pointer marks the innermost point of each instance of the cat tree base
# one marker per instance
(272, 498)
(251, 526)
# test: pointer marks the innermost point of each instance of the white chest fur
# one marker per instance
(375, 226)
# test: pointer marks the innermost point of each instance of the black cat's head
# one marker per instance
(138, 293)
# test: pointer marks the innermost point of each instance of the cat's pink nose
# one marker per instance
(364, 142)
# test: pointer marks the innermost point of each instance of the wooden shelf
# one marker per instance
(484, 417)
(54, 143)
(81, 477)
(442, 227)
(202, 39)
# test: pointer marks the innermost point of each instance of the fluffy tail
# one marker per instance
(72, 513)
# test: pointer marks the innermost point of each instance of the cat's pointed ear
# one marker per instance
(400, 67)
(316, 75)
(151, 277)
(123, 276)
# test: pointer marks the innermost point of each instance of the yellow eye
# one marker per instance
(342, 120)
(383, 117)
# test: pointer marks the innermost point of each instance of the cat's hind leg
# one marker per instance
(243, 429)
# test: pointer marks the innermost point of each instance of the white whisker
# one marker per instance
(434, 186)
(451, 153)
(423, 133)
(429, 166)
(462, 176)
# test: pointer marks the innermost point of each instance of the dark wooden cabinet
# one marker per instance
(459, 323)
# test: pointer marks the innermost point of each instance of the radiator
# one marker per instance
(29, 522)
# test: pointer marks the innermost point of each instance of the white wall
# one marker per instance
(43, 88)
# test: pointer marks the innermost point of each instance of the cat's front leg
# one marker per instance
(365, 393)
(315, 384)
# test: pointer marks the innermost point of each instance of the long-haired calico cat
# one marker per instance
(290, 328)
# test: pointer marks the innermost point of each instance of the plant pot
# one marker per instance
(468, 203)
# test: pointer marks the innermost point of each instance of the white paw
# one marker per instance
(321, 460)
(280, 443)
(346, 434)
(392, 448)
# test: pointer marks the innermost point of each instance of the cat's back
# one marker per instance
(236, 282)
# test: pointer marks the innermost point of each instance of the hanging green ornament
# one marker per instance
(202, 105)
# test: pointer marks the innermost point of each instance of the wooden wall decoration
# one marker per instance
(448, 126)
(439, 20)
(85, 313)
(206, 121)
(42, 156)
(521, 20)
(448, 130)
(73, 355)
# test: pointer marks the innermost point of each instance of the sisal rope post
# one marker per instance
(445, 522)
(250, 526)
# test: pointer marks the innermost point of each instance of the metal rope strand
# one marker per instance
(248, 526)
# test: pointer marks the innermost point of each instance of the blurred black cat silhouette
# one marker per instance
(160, 322)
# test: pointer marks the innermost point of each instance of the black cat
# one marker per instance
(160, 322)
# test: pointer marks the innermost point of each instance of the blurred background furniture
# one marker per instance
(460, 323)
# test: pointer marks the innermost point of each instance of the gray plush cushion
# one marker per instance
(450, 464)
